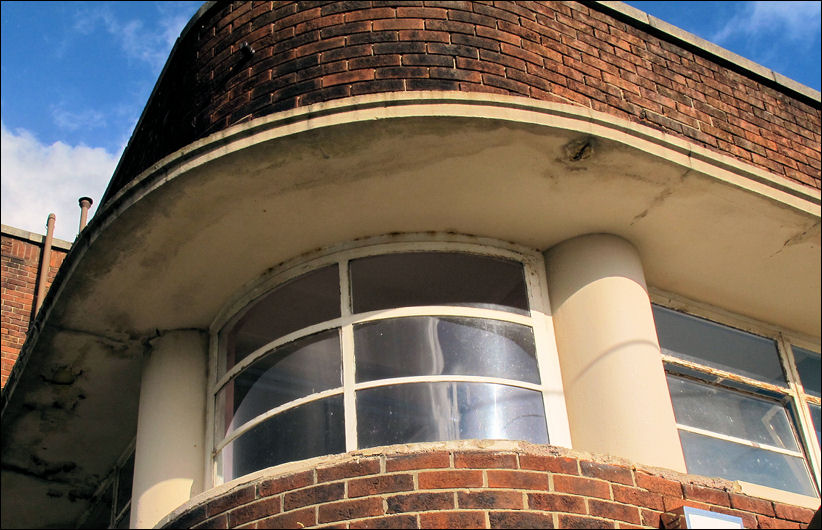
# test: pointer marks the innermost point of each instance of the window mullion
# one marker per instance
(348, 364)
(553, 394)
(803, 415)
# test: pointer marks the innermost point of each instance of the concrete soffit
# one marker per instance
(363, 109)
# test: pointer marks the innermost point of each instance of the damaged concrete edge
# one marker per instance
(678, 35)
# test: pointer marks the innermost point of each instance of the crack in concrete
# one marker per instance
(660, 198)
(798, 238)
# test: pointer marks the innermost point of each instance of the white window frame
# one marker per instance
(793, 397)
(539, 320)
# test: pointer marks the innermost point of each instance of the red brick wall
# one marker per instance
(308, 52)
(20, 269)
(477, 488)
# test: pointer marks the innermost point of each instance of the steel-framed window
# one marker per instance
(111, 503)
(744, 409)
(367, 385)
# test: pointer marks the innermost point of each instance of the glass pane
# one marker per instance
(731, 413)
(124, 480)
(719, 458)
(722, 347)
(810, 369)
(445, 346)
(431, 412)
(310, 430)
(308, 299)
(437, 278)
(815, 417)
(306, 366)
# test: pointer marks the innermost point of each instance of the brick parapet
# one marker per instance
(521, 486)
(565, 52)
(20, 264)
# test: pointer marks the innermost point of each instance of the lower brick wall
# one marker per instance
(466, 485)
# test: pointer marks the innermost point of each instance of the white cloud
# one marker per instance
(39, 179)
(793, 21)
(147, 44)
(73, 121)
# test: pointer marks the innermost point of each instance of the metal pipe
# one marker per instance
(85, 204)
(45, 263)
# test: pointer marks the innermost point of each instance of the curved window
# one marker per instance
(382, 346)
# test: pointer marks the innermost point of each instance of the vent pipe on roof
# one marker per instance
(45, 262)
(85, 204)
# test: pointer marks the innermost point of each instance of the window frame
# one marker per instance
(793, 396)
(111, 483)
(538, 319)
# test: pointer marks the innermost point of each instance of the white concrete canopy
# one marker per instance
(173, 248)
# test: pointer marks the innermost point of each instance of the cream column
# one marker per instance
(168, 461)
(615, 389)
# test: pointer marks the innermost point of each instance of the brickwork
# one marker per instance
(567, 52)
(20, 269)
(539, 487)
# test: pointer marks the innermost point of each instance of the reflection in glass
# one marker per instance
(709, 456)
(815, 418)
(731, 413)
(306, 366)
(314, 429)
(444, 346)
(308, 299)
(809, 366)
(437, 278)
(696, 339)
(430, 412)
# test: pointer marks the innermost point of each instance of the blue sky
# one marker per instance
(76, 75)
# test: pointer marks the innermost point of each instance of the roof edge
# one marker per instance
(34, 238)
(645, 21)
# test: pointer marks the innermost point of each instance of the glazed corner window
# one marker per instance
(370, 350)
(738, 416)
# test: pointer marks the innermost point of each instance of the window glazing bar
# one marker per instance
(347, 319)
(447, 379)
(741, 441)
(245, 427)
(716, 376)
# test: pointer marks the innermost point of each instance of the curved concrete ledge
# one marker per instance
(472, 105)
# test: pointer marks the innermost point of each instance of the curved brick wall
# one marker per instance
(527, 486)
(308, 52)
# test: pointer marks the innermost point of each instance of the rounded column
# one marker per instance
(615, 388)
(168, 460)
